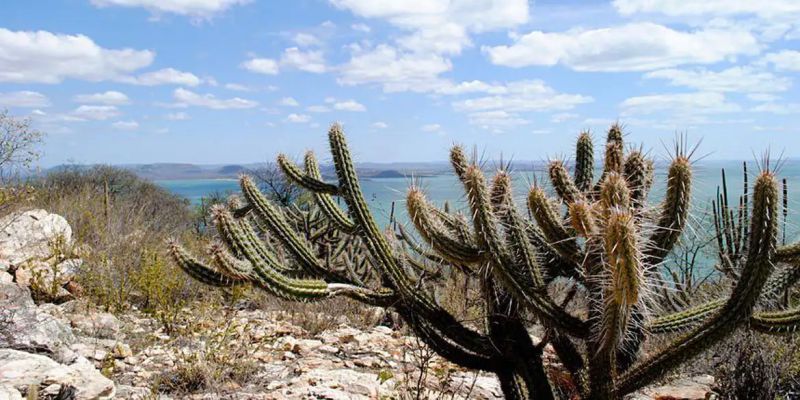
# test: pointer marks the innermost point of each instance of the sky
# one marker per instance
(238, 81)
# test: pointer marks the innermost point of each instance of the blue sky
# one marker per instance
(234, 81)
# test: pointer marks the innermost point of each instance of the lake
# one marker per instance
(381, 192)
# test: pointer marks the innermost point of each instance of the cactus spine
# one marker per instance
(609, 245)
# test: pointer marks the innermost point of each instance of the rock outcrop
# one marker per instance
(29, 235)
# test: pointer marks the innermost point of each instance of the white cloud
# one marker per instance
(496, 120)
(762, 97)
(110, 97)
(202, 9)
(303, 39)
(734, 79)
(778, 108)
(24, 99)
(237, 87)
(188, 98)
(318, 109)
(677, 8)
(309, 61)
(178, 116)
(166, 76)
(349, 105)
(45, 57)
(380, 125)
(95, 113)
(448, 22)
(632, 47)
(532, 95)
(395, 70)
(431, 128)
(361, 28)
(126, 125)
(784, 60)
(288, 102)
(298, 118)
(679, 103)
(266, 66)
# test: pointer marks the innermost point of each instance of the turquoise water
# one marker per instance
(380, 193)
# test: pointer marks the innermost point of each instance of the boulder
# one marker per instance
(24, 327)
(20, 370)
(8, 392)
(29, 235)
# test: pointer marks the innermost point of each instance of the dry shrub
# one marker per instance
(120, 223)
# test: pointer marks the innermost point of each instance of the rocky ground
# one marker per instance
(73, 350)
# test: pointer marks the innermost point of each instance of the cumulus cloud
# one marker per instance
(680, 8)
(92, 112)
(110, 97)
(178, 116)
(265, 66)
(298, 118)
(784, 60)
(532, 95)
(202, 9)
(349, 105)
(24, 99)
(309, 61)
(166, 76)
(126, 125)
(380, 125)
(288, 102)
(679, 103)
(448, 22)
(394, 70)
(45, 57)
(637, 46)
(304, 39)
(187, 98)
(734, 79)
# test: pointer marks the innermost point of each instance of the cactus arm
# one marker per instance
(738, 308)
(674, 211)
(435, 234)
(383, 258)
(563, 184)
(296, 175)
(584, 162)
(229, 265)
(638, 171)
(779, 322)
(685, 319)
(781, 280)
(502, 266)
(276, 223)
(549, 222)
(324, 200)
(614, 155)
(197, 270)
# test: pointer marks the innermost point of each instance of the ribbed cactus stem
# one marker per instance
(229, 265)
(459, 161)
(325, 202)
(432, 231)
(197, 269)
(584, 162)
(562, 182)
(624, 265)
(674, 210)
(615, 148)
(550, 223)
(582, 217)
(614, 193)
(639, 174)
(296, 175)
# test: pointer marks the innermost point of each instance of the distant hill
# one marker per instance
(180, 171)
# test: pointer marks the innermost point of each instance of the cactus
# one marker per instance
(610, 245)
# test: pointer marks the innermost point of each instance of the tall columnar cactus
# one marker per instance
(602, 235)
